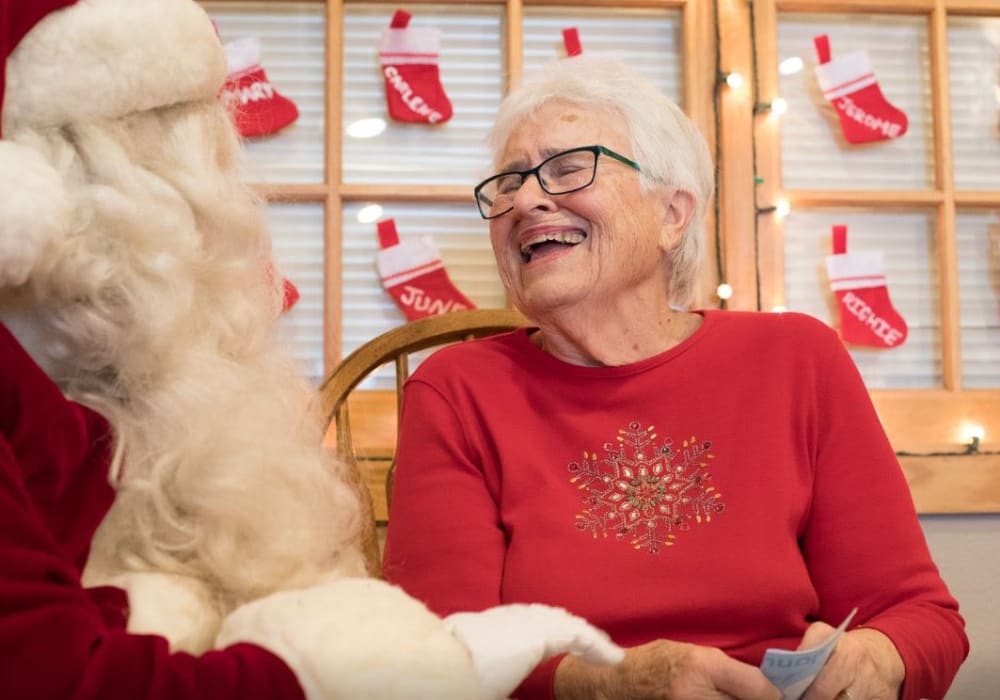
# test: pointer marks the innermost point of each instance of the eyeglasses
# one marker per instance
(562, 173)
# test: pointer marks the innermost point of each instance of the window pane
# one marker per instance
(460, 235)
(973, 56)
(297, 240)
(292, 38)
(471, 70)
(649, 40)
(907, 242)
(978, 235)
(814, 153)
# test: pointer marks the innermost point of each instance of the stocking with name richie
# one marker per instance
(867, 316)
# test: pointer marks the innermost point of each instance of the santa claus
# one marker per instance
(144, 398)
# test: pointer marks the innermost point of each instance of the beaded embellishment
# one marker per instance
(645, 492)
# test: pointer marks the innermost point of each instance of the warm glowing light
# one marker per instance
(724, 291)
(779, 309)
(779, 106)
(734, 80)
(790, 66)
(782, 208)
(972, 431)
(366, 128)
(370, 213)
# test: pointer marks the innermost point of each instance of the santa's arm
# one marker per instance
(59, 640)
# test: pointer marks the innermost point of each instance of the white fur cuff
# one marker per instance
(107, 58)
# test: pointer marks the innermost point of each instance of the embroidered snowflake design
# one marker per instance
(643, 492)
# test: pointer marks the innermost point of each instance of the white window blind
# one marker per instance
(978, 235)
(973, 64)
(297, 235)
(814, 154)
(472, 72)
(457, 231)
(648, 40)
(907, 241)
(292, 36)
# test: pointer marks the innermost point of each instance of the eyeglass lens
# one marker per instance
(559, 174)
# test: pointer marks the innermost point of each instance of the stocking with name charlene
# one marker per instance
(413, 273)
(409, 58)
(867, 316)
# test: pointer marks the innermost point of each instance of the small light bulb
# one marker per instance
(779, 106)
(734, 80)
(779, 309)
(369, 213)
(782, 208)
(366, 128)
(973, 431)
(790, 66)
(724, 291)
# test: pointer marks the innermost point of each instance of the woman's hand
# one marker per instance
(664, 670)
(864, 666)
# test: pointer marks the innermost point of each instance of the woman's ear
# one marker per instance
(678, 210)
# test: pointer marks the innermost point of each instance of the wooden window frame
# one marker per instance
(919, 421)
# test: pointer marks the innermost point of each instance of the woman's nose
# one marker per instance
(531, 196)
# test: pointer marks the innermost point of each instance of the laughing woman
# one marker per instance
(703, 485)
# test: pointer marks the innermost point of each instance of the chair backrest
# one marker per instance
(396, 346)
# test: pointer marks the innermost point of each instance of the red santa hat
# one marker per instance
(69, 61)
(59, 54)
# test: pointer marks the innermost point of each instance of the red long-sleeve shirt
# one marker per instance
(59, 641)
(727, 493)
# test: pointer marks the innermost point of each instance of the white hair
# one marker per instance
(665, 142)
(158, 308)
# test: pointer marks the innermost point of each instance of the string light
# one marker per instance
(724, 291)
(777, 106)
(779, 309)
(733, 80)
(782, 208)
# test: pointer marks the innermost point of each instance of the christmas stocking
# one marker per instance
(849, 84)
(571, 40)
(413, 273)
(409, 58)
(257, 108)
(866, 313)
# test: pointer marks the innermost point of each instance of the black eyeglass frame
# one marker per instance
(597, 150)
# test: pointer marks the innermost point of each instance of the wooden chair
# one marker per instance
(396, 346)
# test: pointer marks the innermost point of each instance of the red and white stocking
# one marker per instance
(571, 42)
(409, 57)
(258, 109)
(849, 84)
(867, 316)
(413, 273)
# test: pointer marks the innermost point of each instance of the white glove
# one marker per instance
(358, 638)
(508, 641)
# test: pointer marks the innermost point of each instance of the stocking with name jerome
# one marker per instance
(867, 316)
(413, 273)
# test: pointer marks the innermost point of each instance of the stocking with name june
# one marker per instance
(867, 316)
(413, 273)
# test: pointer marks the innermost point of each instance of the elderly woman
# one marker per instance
(703, 485)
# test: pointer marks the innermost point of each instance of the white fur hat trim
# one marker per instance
(36, 211)
(108, 58)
